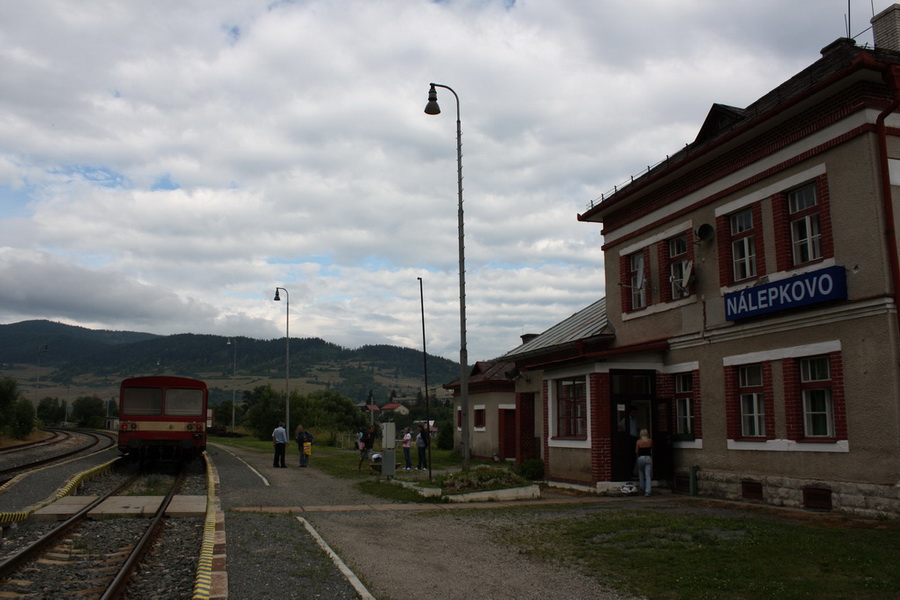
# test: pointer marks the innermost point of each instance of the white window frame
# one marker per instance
(812, 415)
(752, 404)
(636, 280)
(678, 266)
(743, 249)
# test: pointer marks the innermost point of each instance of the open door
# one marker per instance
(632, 397)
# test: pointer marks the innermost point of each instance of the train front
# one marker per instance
(162, 418)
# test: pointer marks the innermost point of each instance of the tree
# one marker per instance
(51, 410)
(22, 419)
(16, 412)
(333, 412)
(89, 411)
(265, 412)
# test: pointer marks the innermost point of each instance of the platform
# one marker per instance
(181, 506)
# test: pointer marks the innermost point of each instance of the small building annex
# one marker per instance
(750, 322)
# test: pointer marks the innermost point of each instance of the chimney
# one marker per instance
(886, 29)
(527, 337)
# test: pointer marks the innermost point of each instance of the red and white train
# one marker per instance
(162, 418)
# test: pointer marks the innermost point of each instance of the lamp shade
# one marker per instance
(432, 107)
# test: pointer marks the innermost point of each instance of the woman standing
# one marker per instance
(644, 450)
(407, 441)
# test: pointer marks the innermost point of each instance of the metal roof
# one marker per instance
(587, 323)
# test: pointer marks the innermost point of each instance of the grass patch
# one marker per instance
(665, 556)
(479, 479)
(392, 491)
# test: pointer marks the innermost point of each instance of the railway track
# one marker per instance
(87, 558)
(27, 457)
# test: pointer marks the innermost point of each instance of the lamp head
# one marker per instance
(277, 297)
(432, 107)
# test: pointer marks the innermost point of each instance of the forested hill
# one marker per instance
(77, 352)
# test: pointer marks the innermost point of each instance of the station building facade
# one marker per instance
(750, 319)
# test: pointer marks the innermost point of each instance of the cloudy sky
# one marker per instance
(165, 164)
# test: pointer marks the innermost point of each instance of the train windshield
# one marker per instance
(142, 401)
(184, 402)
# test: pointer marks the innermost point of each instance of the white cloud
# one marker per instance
(164, 165)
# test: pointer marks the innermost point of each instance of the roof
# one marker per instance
(487, 375)
(838, 59)
(589, 322)
(391, 406)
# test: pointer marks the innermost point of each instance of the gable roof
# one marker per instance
(840, 60)
(590, 323)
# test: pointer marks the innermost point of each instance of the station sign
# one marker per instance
(807, 289)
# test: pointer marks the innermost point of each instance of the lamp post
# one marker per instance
(432, 108)
(287, 356)
(425, 372)
(233, 376)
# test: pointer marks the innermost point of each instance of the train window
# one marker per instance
(184, 402)
(141, 401)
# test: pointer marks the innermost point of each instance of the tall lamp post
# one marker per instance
(287, 356)
(432, 108)
(425, 371)
(233, 376)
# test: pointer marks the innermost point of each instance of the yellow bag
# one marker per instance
(307, 448)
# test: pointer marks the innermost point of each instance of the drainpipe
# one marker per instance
(892, 78)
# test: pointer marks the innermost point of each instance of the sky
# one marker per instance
(166, 164)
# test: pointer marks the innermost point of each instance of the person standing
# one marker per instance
(422, 448)
(643, 448)
(304, 444)
(365, 440)
(279, 438)
(407, 442)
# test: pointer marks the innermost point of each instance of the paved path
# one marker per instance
(440, 551)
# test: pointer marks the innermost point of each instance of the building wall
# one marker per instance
(827, 141)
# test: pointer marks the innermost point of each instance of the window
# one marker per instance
(679, 267)
(571, 408)
(806, 233)
(637, 280)
(818, 409)
(184, 402)
(143, 402)
(752, 407)
(743, 245)
(480, 419)
(684, 405)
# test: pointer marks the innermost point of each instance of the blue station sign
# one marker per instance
(815, 287)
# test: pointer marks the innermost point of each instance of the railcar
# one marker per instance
(162, 418)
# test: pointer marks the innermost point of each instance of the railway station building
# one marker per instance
(750, 321)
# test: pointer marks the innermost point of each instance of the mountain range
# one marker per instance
(59, 360)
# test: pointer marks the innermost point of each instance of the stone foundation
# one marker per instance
(858, 499)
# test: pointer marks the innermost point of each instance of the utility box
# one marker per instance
(388, 461)
(388, 435)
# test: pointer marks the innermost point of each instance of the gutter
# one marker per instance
(892, 78)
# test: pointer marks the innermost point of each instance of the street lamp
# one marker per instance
(233, 376)
(425, 371)
(287, 356)
(432, 108)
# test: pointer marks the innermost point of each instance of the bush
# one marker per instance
(445, 435)
(531, 469)
(480, 479)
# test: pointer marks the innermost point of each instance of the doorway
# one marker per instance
(632, 396)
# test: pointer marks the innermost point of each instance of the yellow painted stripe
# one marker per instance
(203, 578)
(66, 489)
